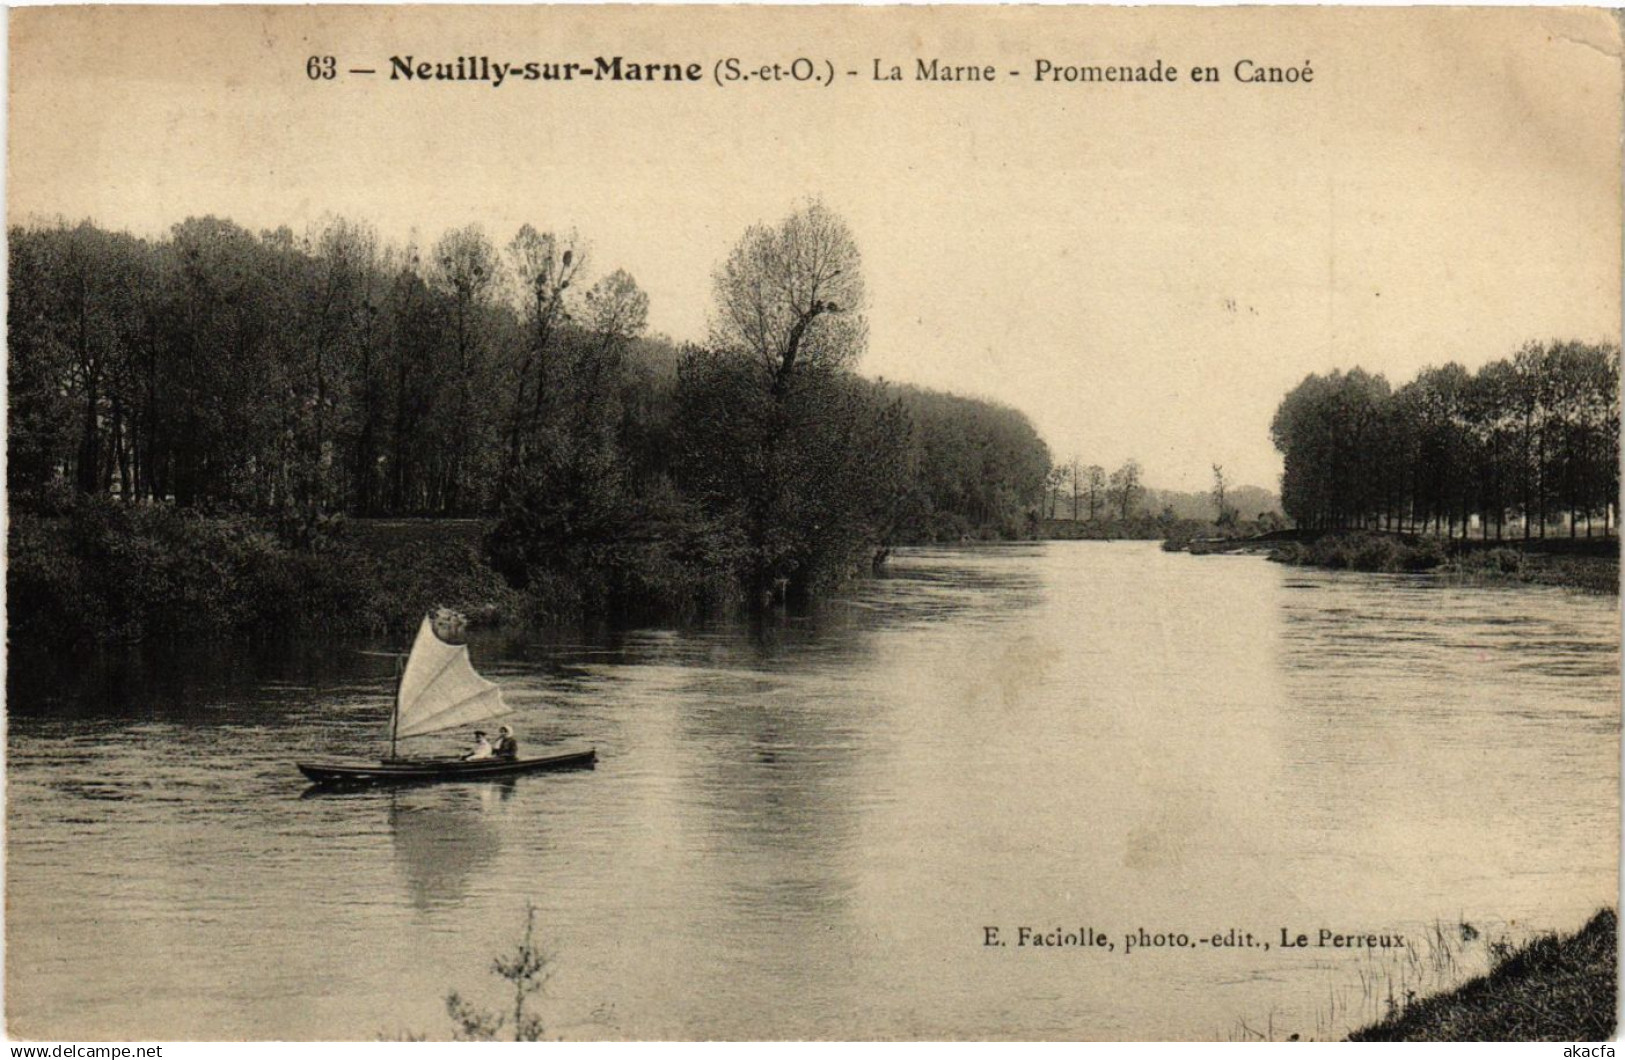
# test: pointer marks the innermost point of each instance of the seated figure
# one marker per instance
(450, 626)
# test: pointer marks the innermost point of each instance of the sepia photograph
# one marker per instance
(739, 523)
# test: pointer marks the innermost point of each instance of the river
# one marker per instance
(805, 829)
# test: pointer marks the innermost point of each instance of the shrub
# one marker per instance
(1293, 552)
(1426, 554)
(526, 971)
(1366, 552)
(107, 571)
(1363, 552)
(1495, 560)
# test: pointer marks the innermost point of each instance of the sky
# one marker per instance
(1143, 269)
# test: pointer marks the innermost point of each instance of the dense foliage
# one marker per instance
(110, 570)
(266, 384)
(1532, 440)
(276, 374)
(976, 469)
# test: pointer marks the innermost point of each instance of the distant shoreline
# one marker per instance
(1586, 564)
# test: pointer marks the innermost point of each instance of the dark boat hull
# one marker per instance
(415, 771)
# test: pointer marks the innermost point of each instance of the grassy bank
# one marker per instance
(102, 572)
(105, 572)
(1588, 565)
(1550, 989)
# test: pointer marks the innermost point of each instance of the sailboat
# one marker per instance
(439, 689)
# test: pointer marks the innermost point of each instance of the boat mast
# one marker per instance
(395, 707)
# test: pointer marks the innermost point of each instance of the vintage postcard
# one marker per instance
(648, 523)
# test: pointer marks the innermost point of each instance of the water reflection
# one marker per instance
(185, 680)
(443, 836)
(776, 795)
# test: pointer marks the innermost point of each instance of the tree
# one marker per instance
(1224, 514)
(40, 408)
(333, 331)
(1095, 479)
(464, 267)
(228, 413)
(564, 501)
(543, 266)
(791, 295)
(1054, 482)
(1329, 431)
(417, 334)
(776, 434)
(1491, 405)
(1125, 487)
(68, 341)
(617, 310)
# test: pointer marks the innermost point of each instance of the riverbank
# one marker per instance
(98, 571)
(1555, 988)
(106, 572)
(1589, 565)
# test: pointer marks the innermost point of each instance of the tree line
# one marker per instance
(1529, 442)
(1077, 492)
(1091, 492)
(272, 372)
(293, 378)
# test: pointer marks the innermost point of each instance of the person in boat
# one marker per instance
(506, 746)
(450, 626)
(482, 749)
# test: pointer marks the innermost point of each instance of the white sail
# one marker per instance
(440, 689)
